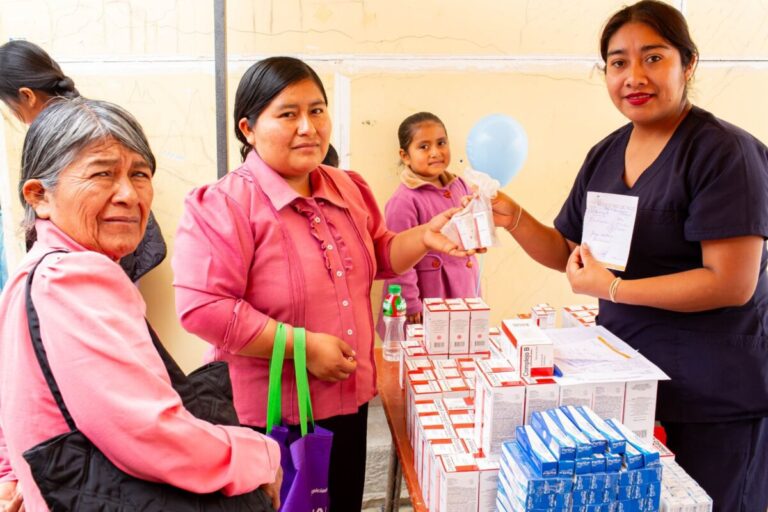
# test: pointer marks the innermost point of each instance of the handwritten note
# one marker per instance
(608, 226)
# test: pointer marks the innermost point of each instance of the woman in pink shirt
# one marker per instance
(87, 188)
(283, 238)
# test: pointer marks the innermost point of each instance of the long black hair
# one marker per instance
(24, 64)
(261, 83)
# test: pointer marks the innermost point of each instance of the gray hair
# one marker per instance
(62, 131)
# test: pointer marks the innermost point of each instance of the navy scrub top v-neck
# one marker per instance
(710, 182)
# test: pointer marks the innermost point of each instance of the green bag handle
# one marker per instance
(274, 401)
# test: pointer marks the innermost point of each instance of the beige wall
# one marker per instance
(380, 60)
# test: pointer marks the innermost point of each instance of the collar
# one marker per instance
(413, 181)
(281, 194)
(49, 236)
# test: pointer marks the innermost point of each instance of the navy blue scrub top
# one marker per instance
(710, 182)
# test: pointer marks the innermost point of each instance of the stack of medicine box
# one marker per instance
(499, 404)
(680, 492)
(452, 473)
(455, 327)
(579, 316)
(570, 459)
(632, 401)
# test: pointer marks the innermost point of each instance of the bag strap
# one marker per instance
(302, 381)
(274, 397)
(33, 321)
(176, 374)
(274, 401)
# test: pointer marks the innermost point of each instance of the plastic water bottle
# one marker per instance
(394, 321)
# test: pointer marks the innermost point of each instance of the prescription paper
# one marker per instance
(608, 226)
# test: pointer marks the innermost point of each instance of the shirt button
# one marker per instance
(329, 247)
(435, 264)
(469, 263)
(339, 273)
(345, 303)
(317, 220)
(447, 194)
(349, 332)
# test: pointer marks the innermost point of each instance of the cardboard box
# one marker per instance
(436, 328)
(535, 349)
(503, 407)
(458, 483)
(543, 315)
(575, 392)
(640, 408)
(458, 331)
(608, 399)
(540, 394)
(479, 327)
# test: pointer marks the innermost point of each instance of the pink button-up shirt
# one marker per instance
(250, 248)
(112, 379)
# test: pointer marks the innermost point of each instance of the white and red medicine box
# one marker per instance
(608, 399)
(416, 412)
(640, 408)
(543, 315)
(458, 330)
(458, 480)
(456, 387)
(541, 393)
(479, 326)
(575, 393)
(414, 332)
(437, 319)
(429, 467)
(579, 315)
(503, 408)
(534, 348)
(410, 351)
(488, 483)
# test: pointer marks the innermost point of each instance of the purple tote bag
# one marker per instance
(304, 456)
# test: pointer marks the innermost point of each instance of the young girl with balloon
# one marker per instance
(428, 188)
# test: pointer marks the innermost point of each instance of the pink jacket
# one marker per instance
(249, 248)
(112, 379)
(436, 275)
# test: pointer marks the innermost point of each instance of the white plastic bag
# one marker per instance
(473, 226)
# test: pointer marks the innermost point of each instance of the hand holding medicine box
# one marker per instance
(473, 226)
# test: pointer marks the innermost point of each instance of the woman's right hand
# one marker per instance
(11, 499)
(272, 490)
(329, 358)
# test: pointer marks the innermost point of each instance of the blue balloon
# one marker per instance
(497, 145)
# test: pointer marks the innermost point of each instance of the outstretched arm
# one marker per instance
(544, 244)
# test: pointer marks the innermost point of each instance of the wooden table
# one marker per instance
(401, 453)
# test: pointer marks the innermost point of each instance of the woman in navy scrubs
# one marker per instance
(694, 295)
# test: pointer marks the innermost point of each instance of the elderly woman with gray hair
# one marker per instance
(87, 189)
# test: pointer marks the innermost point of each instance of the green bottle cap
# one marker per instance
(395, 289)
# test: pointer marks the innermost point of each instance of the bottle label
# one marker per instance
(393, 305)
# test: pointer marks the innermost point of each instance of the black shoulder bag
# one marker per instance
(72, 474)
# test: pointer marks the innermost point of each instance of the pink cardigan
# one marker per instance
(112, 379)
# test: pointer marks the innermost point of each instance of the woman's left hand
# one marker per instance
(436, 241)
(586, 275)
